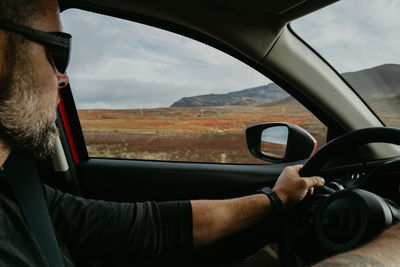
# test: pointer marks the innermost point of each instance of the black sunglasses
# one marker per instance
(57, 44)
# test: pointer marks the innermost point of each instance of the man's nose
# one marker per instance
(62, 79)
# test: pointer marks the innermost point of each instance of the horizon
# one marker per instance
(256, 87)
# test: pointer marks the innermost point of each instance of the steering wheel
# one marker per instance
(360, 214)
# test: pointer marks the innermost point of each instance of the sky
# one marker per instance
(354, 34)
(119, 64)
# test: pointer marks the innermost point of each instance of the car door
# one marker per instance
(122, 147)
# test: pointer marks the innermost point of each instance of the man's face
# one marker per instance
(29, 100)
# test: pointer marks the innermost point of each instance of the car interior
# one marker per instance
(359, 162)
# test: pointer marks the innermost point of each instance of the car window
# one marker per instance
(146, 93)
(363, 45)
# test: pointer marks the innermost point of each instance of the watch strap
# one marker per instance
(276, 201)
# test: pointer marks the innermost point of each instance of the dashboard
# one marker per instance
(381, 177)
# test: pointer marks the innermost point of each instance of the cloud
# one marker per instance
(354, 35)
(121, 64)
(124, 94)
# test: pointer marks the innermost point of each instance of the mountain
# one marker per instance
(384, 77)
(376, 83)
(252, 96)
(372, 84)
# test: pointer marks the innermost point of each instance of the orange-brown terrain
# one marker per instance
(206, 134)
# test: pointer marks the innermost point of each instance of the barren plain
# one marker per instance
(194, 134)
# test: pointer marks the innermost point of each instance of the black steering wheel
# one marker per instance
(337, 219)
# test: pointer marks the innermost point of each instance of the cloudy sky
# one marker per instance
(354, 34)
(120, 64)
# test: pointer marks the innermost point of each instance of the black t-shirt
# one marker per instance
(95, 230)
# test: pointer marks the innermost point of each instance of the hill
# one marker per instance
(383, 78)
(252, 96)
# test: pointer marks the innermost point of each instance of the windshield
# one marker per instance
(361, 39)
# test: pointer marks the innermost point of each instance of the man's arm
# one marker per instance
(98, 230)
(382, 251)
(216, 219)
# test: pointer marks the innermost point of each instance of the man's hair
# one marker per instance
(20, 11)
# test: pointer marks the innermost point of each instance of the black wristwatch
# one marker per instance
(273, 197)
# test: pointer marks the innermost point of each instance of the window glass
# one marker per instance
(145, 93)
(361, 40)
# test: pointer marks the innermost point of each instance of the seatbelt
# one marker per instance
(23, 178)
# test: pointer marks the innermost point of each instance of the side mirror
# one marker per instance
(280, 142)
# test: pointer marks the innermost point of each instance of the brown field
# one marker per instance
(276, 151)
(207, 134)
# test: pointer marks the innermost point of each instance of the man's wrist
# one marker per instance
(282, 196)
(274, 198)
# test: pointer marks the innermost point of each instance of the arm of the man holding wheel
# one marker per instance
(216, 219)
(382, 251)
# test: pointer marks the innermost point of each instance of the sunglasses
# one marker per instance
(57, 44)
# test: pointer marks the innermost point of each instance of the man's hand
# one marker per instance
(292, 188)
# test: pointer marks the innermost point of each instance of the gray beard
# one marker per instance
(25, 122)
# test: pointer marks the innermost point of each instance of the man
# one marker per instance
(31, 73)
